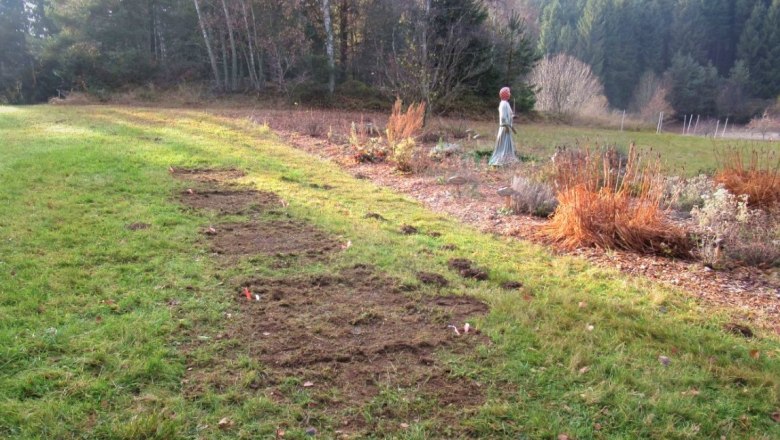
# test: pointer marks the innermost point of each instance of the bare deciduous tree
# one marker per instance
(416, 72)
(329, 45)
(566, 85)
(207, 40)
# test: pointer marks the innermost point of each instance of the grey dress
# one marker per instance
(504, 153)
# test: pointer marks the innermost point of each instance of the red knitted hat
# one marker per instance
(504, 94)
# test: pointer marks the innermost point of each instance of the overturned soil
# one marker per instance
(432, 279)
(207, 175)
(230, 202)
(353, 333)
(467, 269)
(282, 238)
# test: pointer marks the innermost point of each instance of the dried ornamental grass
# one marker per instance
(758, 179)
(606, 203)
(403, 125)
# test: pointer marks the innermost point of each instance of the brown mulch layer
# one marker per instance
(753, 295)
(230, 202)
(277, 238)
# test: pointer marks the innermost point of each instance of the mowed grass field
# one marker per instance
(109, 332)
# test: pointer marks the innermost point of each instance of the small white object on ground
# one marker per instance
(455, 329)
(466, 328)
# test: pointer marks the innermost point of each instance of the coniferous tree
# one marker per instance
(693, 86)
(15, 60)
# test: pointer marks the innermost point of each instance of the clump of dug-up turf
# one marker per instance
(467, 269)
(432, 279)
(375, 216)
(511, 285)
(408, 230)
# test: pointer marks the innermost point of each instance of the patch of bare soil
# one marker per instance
(230, 202)
(348, 336)
(207, 175)
(282, 238)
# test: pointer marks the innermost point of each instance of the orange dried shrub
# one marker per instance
(758, 178)
(404, 125)
(402, 128)
(607, 202)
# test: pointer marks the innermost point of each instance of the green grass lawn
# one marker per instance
(97, 322)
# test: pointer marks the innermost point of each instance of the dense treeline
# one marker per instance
(446, 52)
(709, 57)
(715, 53)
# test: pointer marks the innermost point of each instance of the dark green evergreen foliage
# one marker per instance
(693, 86)
(759, 47)
(15, 60)
(624, 39)
(733, 100)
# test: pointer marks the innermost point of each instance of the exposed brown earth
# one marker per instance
(352, 334)
(230, 202)
(283, 238)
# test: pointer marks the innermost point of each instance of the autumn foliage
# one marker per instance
(758, 177)
(610, 202)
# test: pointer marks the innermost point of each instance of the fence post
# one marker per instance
(724, 128)
(623, 120)
(685, 123)
(717, 126)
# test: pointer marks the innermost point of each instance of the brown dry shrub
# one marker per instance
(608, 203)
(404, 125)
(758, 178)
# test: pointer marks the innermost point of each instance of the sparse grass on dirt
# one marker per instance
(109, 330)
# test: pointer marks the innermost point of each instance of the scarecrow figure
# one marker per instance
(504, 153)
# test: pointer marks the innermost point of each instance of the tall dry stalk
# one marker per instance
(402, 128)
(404, 125)
(758, 177)
(608, 203)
